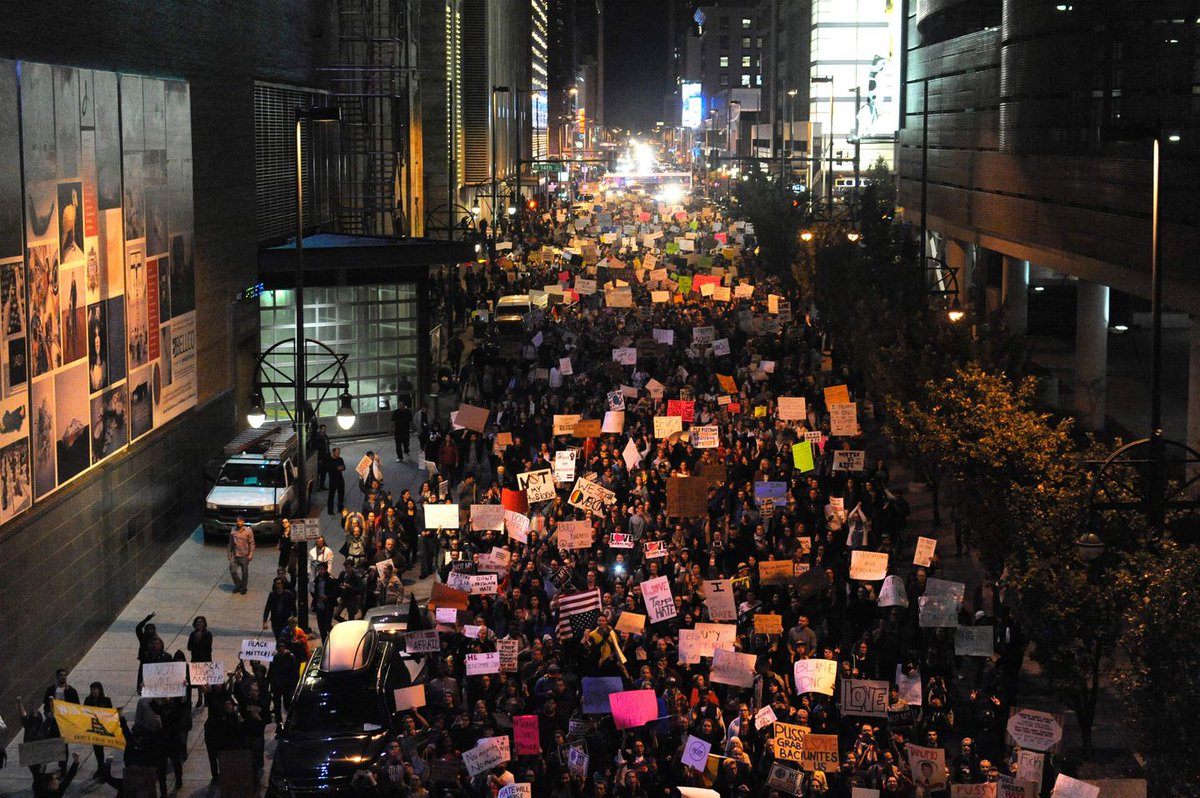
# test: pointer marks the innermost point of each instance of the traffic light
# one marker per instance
(533, 205)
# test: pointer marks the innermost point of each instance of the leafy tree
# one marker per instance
(777, 215)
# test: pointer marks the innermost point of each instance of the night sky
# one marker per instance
(636, 77)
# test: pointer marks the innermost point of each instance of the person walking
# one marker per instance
(402, 421)
(337, 481)
(200, 643)
(241, 552)
(97, 698)
(280, 605)
(324, 599)
(321, 444)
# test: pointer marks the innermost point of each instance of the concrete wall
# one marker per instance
(75, 559)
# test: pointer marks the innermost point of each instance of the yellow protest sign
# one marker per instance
(727, 383)
(789, 741)
(802, 457)
(768, 624)
(89, 725)
(837, 395)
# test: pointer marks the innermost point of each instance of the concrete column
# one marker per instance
(1091, 353)
(966, 276)
(1014, 287)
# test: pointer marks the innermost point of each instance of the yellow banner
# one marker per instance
(89, 725)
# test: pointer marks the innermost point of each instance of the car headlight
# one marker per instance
(211, 506)
(270, 508)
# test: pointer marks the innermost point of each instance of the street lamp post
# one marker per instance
(316, 114)
(495, 185)
(791, 121)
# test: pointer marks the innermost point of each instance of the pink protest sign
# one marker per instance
(633, 708)
(525, 733)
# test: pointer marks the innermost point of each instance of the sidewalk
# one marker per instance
(195, 581)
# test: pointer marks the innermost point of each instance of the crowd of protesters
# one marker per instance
(564, 366)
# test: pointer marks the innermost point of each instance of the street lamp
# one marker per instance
(790, 133)
(495, 184)
(257, 415)
(345, 413)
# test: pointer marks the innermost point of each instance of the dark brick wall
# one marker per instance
(77, 558)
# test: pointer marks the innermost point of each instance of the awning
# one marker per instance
(333, 260)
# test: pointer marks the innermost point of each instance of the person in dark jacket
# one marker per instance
(280, 605)
(59, 690)
(223, 730)
(282, 676)
(97, 698)
(200, 644)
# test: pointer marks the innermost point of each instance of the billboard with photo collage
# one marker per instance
(97, 289)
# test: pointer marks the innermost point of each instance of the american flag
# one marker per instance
(578, 613)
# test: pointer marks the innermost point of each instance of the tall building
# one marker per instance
(1025, 153)
(723, 56)
(574, 76)
(785, 28)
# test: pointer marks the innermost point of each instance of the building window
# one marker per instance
(760, 42)
(724, 22)
(745, 80)
(745, 62)
(723, 79)
(745, 23)
(745, 42)
(724, 62)
(375, 326)
(723, 42)
(758, 80)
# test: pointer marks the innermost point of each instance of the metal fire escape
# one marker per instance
(372, 85)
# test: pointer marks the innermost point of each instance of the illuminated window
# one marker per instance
(745, 24)
(745, 42)
(745, 62)
(724, 61)
(745, 80)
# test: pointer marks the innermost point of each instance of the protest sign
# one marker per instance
(410, 697)
(843, 420)
(869, 566)
(685, 409)
(815, 676)
(727, 383)
(42, 752)
(764, 717)
(487, 516)
(577, 762)
(687, 497)
(85, 725)
(789, 741)
(619, 298)
(974, 641)
(443, 596)
(479, 664)
(441, 516)
(423, 641)
(770, 490)
(204, 673)
(893, 594)
(666, 426)
(908, 685)
(495, 561)
(802, 457)
(775, 572)
(631, 623)
(784, 778)
(743, 291)
(620, 540)
(849, 460)
(517, 526)
(837, 395)
(719, 598)
(731, 667)
(928, 765)
(664, 337)
(1067, 787)
(488, 753)
(363, 469)
(864, 698)
(472, 417)
(261, 650)
(516, 790)
(1034, 729)
(1030, 766)
(720, 347)
(946, 587)
(587, 495)
(565, 424)
(538, 485)
(633, 708)
(508, 650)
(793, 408)
(820, 753)
(1010, 787)
(574, 535)
(473, 584)
(695, 753)
(526, 735)
(925, 550)
(978, 790)
(631, 455)
(564, 366)
(721, 294)
(937, 611)
(706, 437)
(596, 690)
(564, 464)
(660, 297)
(863, 792)
(584, 286)
(655, 549)
(614, 422)
(766, 623)
(660, 604)
(625, 355)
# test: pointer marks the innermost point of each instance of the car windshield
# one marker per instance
(257, 475)
(345, 709)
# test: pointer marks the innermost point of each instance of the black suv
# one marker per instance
(342, 714)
